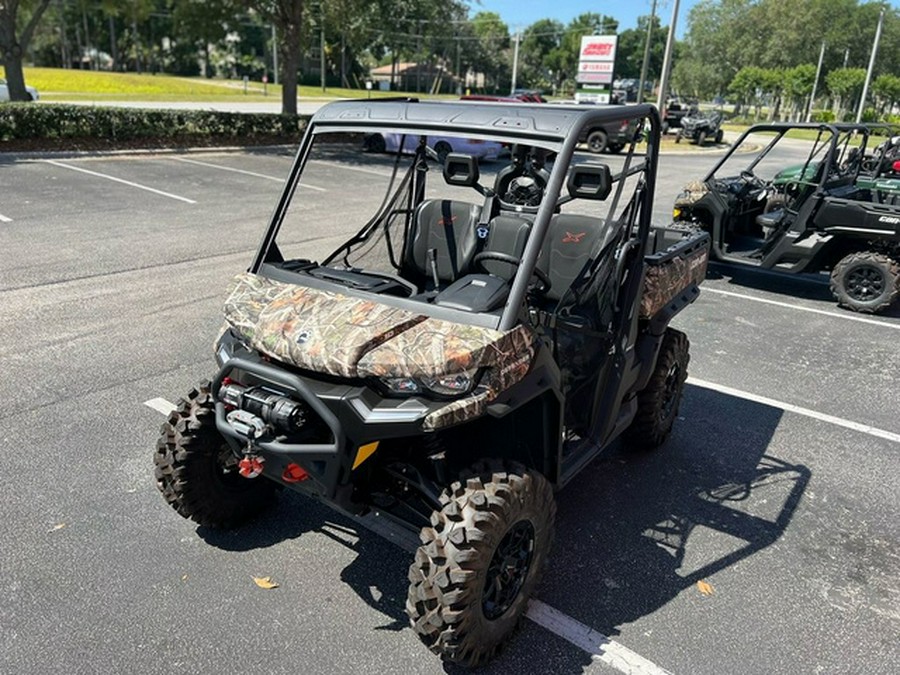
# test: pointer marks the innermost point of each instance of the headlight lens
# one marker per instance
(451, 384)
(676, 213)
(401, 385)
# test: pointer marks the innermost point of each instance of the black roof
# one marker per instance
(535, 120)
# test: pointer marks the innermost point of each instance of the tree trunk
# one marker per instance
(12, 48)
(290, 66)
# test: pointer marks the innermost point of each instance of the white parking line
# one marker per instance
(838, 315)
(120, 180)
(790, 407)
(160, 405)
(4, 219)
(246, 173)
(596, 644)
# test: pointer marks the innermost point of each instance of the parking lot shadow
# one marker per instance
(634, 531)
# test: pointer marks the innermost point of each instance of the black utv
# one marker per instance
(700, 126)
(447, 344)
(820, 215)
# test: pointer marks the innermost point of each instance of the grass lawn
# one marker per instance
(57, 84)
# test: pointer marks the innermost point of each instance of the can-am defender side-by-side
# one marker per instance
(473, 335)
(821, 218)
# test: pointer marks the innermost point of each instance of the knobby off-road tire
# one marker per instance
(480, 561)
(197, 472)
(719, 136)
(866, 282)
(658, 402)
(701, 138)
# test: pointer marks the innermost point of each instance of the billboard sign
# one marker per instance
(596, 61)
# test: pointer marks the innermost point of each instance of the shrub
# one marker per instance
(825, 116)
(57, 124)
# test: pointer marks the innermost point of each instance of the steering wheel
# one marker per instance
(512, 260)
(751, 182)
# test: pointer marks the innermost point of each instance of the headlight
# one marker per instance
(451, 385)
(447, 385)
(676, 213)
(401, 385)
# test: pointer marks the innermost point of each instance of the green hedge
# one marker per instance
(30, 122)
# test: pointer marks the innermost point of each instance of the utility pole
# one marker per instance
(640, 96)
(812, 96)
(274, 54)
(862, 100)
(667, 60)
(515, 63)
(322, 44)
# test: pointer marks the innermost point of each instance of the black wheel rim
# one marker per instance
(223, 468)
(508, 570)
(596, 143)
(865, 283)
(670, 391)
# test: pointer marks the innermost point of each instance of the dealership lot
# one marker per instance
(763, 538)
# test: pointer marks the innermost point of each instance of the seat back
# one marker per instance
(567, 248)
(447, 227)
(506, 234)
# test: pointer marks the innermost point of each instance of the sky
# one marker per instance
(522, 13)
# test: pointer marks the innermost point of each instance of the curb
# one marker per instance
(64, 154)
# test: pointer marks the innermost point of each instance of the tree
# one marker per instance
(287, 15)
(538, 41)
(887, 89)
(14, 41)
(844, 84)
(798, 84)
(746, 87)
(630, 49)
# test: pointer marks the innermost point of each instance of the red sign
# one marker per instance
(597, 49)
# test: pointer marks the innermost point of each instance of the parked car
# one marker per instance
(4, 92)
(442, 145)
(609, 136)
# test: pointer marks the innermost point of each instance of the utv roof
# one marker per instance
(531, 120)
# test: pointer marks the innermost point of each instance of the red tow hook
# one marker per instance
(294, 473)
(251, 466)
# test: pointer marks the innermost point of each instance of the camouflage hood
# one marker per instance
(692, 193)
(329, 332)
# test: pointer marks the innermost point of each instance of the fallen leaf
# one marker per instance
(184, 577)
(57, 527)
(705, 587)
(265, 582)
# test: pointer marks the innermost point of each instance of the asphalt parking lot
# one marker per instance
(763, 538)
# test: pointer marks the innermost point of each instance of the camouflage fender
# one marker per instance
(665, 281)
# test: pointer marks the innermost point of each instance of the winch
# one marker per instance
(257, 409)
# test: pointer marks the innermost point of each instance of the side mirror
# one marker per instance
(589, 181)
(461, 170)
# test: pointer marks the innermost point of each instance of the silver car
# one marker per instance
(4, 92)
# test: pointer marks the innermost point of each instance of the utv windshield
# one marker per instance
(440, 223)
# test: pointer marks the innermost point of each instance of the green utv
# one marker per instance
(471, 336)
(835, 212)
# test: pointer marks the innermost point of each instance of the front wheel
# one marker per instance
(197, 472)
(597, 140)
(866, 282)
(480, 561)
(720, 135)
(701, 138)
(658, 402)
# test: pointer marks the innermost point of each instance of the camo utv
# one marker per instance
(445, 343)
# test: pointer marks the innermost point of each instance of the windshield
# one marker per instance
(445, 219)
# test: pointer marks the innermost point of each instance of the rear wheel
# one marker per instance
(597, 141)
(719, 136)
(375, 143)
(480, 561)
(658, 402)
(701, 138)
(197, 472)
(866, 282)
(442, 148)
(678, 137)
